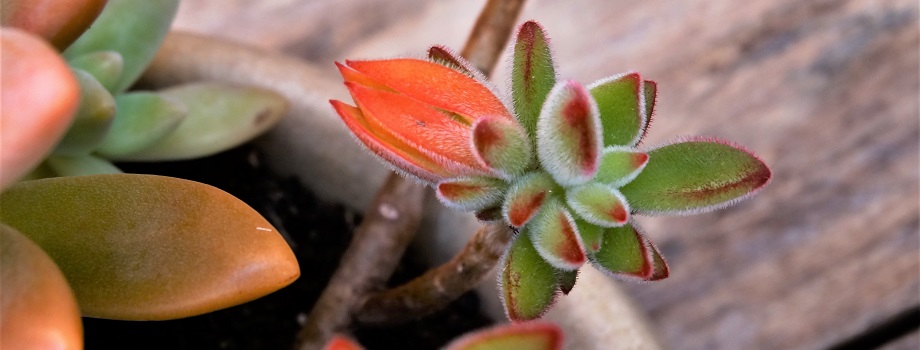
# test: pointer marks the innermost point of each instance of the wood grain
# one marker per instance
(826, 92)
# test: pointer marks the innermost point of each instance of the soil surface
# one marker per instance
(318, 233)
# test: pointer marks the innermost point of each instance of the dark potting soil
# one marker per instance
(318, 233)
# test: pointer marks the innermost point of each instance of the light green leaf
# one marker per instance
(620, 165)
(619, 99)
(533, 75)
(144, 247)
(598, 204)
(694, 176)
(471, 193)
(528, 284)
(80, 165)
(143, 119)
(93, 118)
(624, 252)
(105, 66)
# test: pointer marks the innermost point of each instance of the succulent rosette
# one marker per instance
(563, 165)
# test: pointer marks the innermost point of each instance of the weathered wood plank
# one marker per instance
(825, 91)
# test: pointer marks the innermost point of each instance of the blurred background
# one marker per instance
(826, 92)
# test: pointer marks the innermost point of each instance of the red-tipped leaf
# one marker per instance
(525, 197)
(620, 165)
(569, 141)
(625, 252)
(527, 283)
(502, 145)
(515, 336)
(556, 236)
(471, 193)
(598, 204)
(533, 74)
(621, 101)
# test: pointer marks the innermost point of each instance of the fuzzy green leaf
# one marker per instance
(133, 28)
(526, 196)
(620, 101)
(528, 284)
(624, 252)
(93, 118)
(696, 175)
(502, 145)
(569, 142)
(144, 247)
(555, 235)
(620, 165)
(471, 193)
(591, 235)
(515, 336)
(143, 119)
(650, 90)
(105, 66)
(80, 165)
(533, 74)
(219, 117)
(598, 204)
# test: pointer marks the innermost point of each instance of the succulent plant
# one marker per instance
(517, 336)
(563, 165)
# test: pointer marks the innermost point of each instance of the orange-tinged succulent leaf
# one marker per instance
(598, 204)
(660, 268)
(567, 280)
(38, 309)
(526, 196)
(556, 237)
(433, 84)
(144, 247)
(471, 193)
(620, 165)
(339, 342)
(502, 145)
(621, 101)
(59, 22)
(393, 151)
(696, 175)
(533, 74)
(569, 143)
(39, 95)
(420, 126)
(515, 336)
(625, 252)
(528, 284)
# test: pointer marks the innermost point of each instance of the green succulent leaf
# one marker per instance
(133, 28)
(533, 74)
(650, 90)
(219, 117)
(696, 175)
(620, 165)
(38, 308)
(502, 145)
(569, 143)
(556, 237)
(105, 66)
(620, 99)
(144, 247)
(515, 336)
(624, 252)
(80, 165)
(528, 284)
(471, 193)
(591, 235)
(526, 196)
(567, 280)
(598, 204)
(93, 118)
(143, 119)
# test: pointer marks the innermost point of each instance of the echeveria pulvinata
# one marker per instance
(563, 165)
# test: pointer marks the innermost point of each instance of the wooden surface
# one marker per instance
(825, 91)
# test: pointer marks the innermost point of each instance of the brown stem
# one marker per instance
(388, 227)
(436, 288)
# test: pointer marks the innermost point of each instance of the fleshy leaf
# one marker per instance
(515, 336)
(660, 268)
(144, 247)
(133, 28)
(219, 117)
(80, 165)
(620, 99)
(527, 283)
(591, 235)
(142, 119)
(502, 145)
(447, 58)
(598, 204)
(569, 143)
(471, 193)
(620, 165)
(567, 280)
(694, 176)
(93, 119)
(105, 66)
(59, 22)
(650, 90)
(556, 236)
(38, 309)
(624, 252)
(526, 196)
(339, 342)
(533, 74)
(40, 96)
